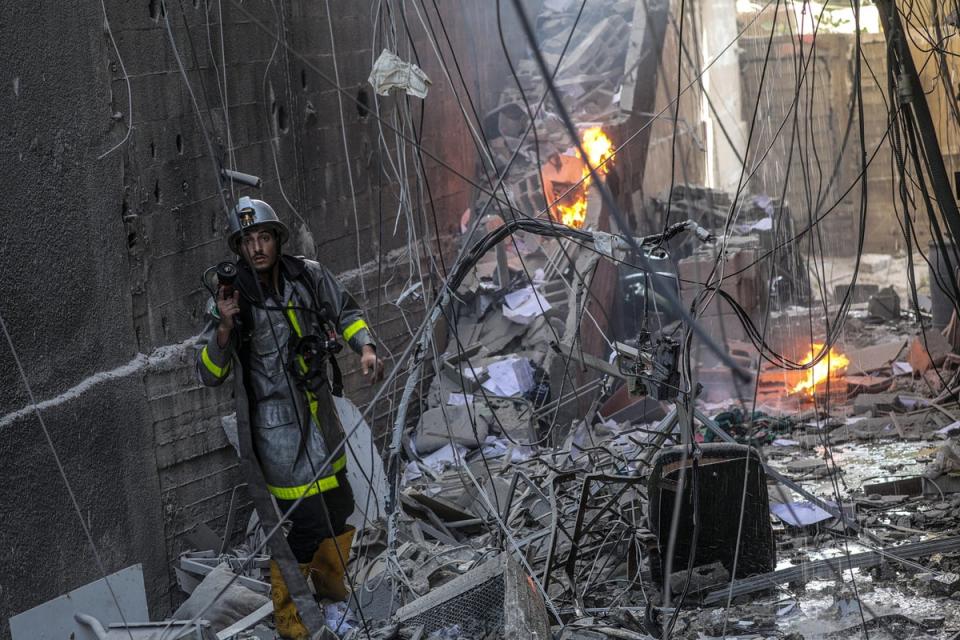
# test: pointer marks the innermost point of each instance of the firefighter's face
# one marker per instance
(260, 248)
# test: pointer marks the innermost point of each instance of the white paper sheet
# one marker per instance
(524, 305)
(902, 368)
(459, 399)
(509, 377)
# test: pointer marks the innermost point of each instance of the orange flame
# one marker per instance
(573, 209)
(598, 147)
(833, 364)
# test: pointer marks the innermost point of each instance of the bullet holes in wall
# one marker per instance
(125, 214)
(156, 10)
(280, 117)
(363, 103)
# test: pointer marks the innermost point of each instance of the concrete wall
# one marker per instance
(101, 256)
(816, 138)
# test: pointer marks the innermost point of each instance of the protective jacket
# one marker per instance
(295, 429)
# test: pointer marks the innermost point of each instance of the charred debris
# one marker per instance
(680, 412)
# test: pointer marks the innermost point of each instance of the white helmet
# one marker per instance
(250, 214)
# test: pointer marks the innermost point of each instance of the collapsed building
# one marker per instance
(667, 295)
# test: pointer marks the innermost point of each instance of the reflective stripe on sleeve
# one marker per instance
(355, 326)
(219, 372)
(307, 490)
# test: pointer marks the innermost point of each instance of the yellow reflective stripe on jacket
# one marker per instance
(325, 484)
(307, 490)
(211, 366)
(292, 315)
(293, 319)
(355, 326)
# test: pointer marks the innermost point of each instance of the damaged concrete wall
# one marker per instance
(102, 256)
(818, 143)
(687, 147)
(68, 309)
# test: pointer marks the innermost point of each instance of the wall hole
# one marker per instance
(363, 103)
(153, 150)
(281, 115)
(156, 10)
(156, 191)
(303, 78)
(131, 240)
(179, 144)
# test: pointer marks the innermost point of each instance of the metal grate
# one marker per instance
(470, 606)
(475, 613)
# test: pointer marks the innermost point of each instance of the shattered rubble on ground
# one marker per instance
(588, 507)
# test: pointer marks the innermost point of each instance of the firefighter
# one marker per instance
(278, 319)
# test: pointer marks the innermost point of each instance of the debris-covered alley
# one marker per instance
(566, 319)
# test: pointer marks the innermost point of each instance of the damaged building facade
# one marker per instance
(666, 294)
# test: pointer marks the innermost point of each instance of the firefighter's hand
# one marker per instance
(370, 364)
(229, 307)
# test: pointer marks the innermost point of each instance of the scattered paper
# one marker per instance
(948, 430)
(911, 402)
(494, 447)
(446, 456)
(765, 202)
(391, 72)
(902, 368)
(799, 514)
(765, 224)
(339, 618)
(459, 399)
(471, 372)
(785, 442)
(524, 305)
(509, 377)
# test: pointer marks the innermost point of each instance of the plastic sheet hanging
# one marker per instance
(391, 72)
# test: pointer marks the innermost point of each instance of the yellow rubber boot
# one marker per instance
(285, 615)
(328, 570)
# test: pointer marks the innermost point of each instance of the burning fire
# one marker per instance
(572, 210)
(833, 364)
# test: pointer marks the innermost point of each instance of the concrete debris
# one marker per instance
(885, 304)
(221, 600)
(928, 350)
(440, 426)
(579, 504)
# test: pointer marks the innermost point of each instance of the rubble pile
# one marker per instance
(848, 502)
